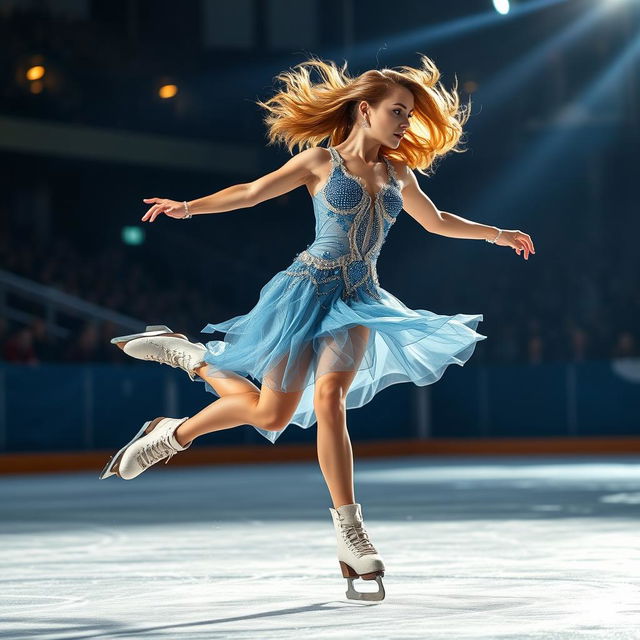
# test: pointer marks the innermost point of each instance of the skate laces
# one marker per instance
(176, 357)
(155, 451)
(358, 538)
(173, 357)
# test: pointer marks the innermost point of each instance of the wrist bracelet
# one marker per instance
(186, 210)
(493, 241)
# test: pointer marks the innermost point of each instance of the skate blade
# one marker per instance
(351, 574)
(150, 331)
(108, 471)
(368, 596)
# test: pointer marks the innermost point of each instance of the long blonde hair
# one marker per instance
(305, 114)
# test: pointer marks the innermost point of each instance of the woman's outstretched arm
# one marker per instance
(295, 172)
(420, 207)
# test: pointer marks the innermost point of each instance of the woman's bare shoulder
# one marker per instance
(402, 171)
(317, 162)
(314, 156)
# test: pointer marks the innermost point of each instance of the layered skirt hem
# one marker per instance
(291, 338)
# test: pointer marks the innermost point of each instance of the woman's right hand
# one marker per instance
(163, 205)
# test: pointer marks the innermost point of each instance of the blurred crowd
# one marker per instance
(111, 279)
(549, 313)
(580, 302)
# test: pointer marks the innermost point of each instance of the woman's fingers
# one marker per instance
(152, 213)
(148, 213)
(157, 212)
(161, 205)
(524, 247)
(520, 242)
(526, 238)
(526, 241)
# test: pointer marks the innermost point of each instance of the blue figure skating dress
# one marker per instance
(327, 312)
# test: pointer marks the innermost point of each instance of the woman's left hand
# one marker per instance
(517, 240)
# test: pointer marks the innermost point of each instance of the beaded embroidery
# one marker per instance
(366, 219)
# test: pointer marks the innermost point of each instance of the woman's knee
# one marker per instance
(273, 421)
(329, 396)
(275, 413)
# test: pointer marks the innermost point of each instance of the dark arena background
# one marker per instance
(505, 497)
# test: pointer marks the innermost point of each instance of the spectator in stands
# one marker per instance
(4, 330)
(105, 351)
(85, 349)
(579, 342)
(535, 349)
(45, 346)
(18, 349)
(625, 345)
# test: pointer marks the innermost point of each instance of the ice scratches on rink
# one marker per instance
(483, 548)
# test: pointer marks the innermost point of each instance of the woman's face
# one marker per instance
(390, 118)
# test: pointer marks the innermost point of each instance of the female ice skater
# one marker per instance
(324, 337)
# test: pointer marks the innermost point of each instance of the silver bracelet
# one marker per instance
(186, 209)
(494, 240)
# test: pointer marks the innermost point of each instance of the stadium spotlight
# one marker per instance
(167, 91)
(501, 6)
(35, 73)
(565, 135)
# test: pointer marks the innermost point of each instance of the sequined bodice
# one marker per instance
(351, 226)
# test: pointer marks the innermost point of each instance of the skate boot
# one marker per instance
(160, 344)
(154, 442)
(356, 555)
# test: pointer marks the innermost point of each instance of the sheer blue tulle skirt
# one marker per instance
(295, 334)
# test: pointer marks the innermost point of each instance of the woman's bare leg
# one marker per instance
(266, 409)
(335, 453)
(263, 408)
(232, 384)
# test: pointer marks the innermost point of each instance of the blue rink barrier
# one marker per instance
(68, 407)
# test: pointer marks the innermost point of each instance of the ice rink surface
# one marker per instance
(491, 548)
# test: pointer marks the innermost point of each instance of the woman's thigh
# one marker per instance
(331, 386)
(230, 384)
(276, 408)
(275, 405)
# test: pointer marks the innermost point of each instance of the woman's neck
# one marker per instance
(357, 147)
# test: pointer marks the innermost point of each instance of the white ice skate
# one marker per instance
(160, 344)
(154, 442)
(356, 555)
